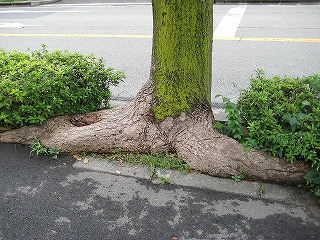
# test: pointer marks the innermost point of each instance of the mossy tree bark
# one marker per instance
(182, 56)
(171, 112)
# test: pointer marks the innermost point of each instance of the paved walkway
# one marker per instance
(43, 198)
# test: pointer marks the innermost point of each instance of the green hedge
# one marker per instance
(38, 85)
(282, 116)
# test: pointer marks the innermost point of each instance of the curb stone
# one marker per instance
(287, 194)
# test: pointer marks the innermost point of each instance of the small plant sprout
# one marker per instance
(54, 152)
(165, 180)
(239, 177)
(153, 173)
(38, 148)
(260, 190)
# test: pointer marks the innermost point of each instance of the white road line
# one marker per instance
(230, 22)
(96, 4)
(55, 11)
(17, 25)
(11, 25)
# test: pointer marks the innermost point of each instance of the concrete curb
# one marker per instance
(27, 3)
(288, 194)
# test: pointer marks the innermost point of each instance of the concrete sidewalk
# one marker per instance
(44, 198)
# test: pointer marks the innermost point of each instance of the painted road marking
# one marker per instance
(230, 22)
(17, 25)
(140, 36)
(261, 39)
(74, 35)
(98, 4)
(43, 11)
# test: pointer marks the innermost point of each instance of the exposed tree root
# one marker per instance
(132, 128)
(208, 151)
(128, 127)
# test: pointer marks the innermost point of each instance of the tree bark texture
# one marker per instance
(182, 45)
(171, 112)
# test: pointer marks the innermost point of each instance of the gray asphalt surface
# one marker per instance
(43, 198)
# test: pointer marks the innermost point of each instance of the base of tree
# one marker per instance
(132, 128)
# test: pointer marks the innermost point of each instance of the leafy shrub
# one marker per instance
(38, 85)
(282, 116)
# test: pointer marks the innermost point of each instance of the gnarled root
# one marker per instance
(132, 128)
(129, 127)
(203, 148)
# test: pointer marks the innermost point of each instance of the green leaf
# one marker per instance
(291, 120)
(317, 192)
(305, 103)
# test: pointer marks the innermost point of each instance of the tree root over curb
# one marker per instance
(132, 128)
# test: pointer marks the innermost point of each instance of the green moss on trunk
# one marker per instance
(182, 51)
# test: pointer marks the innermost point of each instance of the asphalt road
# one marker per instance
(275, 38)
(43, 198)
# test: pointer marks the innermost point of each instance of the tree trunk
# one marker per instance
(182, 47)
(171, 112)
